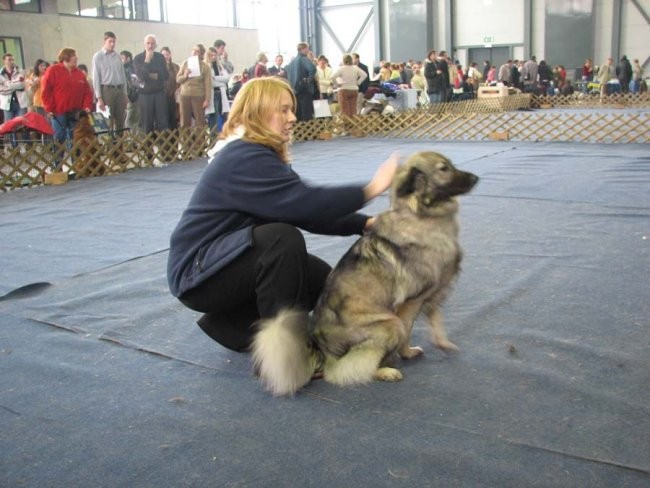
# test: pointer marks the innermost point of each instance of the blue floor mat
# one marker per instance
(107, 381)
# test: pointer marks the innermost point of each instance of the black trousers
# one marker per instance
(154, 113)
(172, 112)
(304, 106)
(276, 273)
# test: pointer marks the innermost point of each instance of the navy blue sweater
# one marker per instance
(247, 185)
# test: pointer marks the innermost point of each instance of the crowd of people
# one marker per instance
(149, 91)
(143, 93)
(437, 76)
(533, 77)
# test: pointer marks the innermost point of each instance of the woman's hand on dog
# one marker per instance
(383, 177)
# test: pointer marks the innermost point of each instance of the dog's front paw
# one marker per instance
(388, 374)
(447, 346)
(411, 352)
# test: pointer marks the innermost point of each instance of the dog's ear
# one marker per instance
(407, 181)
(78, 115)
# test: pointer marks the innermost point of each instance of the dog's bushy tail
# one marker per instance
(281, 353)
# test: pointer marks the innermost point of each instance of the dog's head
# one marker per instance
(427, 180)
(85, 118)
(79, 115)
(83, 126)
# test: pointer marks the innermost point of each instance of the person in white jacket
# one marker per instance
(348, 78)
(13, 97)
(474, 75)
(219, 104)
(324, 74)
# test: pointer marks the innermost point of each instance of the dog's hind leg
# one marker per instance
(408, 312)
(438, 330)
(361, 364)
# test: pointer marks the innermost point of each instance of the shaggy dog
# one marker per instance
(86, 148)
(402, 267)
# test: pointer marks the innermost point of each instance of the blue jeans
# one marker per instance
(213, 120)
(14, 110)
(436, 97)
(217, 120)
(63, 125)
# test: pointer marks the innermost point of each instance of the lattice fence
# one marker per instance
(359, 126)
(623, 127)
(592, 100)
(27, 164)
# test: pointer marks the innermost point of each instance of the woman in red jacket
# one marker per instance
(65, 91)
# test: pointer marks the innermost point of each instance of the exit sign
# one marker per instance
(488, 40)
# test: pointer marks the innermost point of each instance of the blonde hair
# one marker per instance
(252, 109)
(206, 58)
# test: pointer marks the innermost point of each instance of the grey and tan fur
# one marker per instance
(402, 267)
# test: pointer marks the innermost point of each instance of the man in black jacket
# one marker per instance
(365, 83)
(515, 76)
(486, 69)
(437, 74)
(151, 70)
(277, 69)
(301, 74)
(624, 74)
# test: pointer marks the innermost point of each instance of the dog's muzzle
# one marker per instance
(473, 179)
(464, 181)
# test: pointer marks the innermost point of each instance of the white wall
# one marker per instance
(501, 19)
(346, 22)
(635, 32)
(440, 31)
(604, 11)
(461, 55)
(518, 53)
(52, 32)
(537, 36)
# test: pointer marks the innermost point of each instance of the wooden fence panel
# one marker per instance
(505, 118)
(592, 100)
